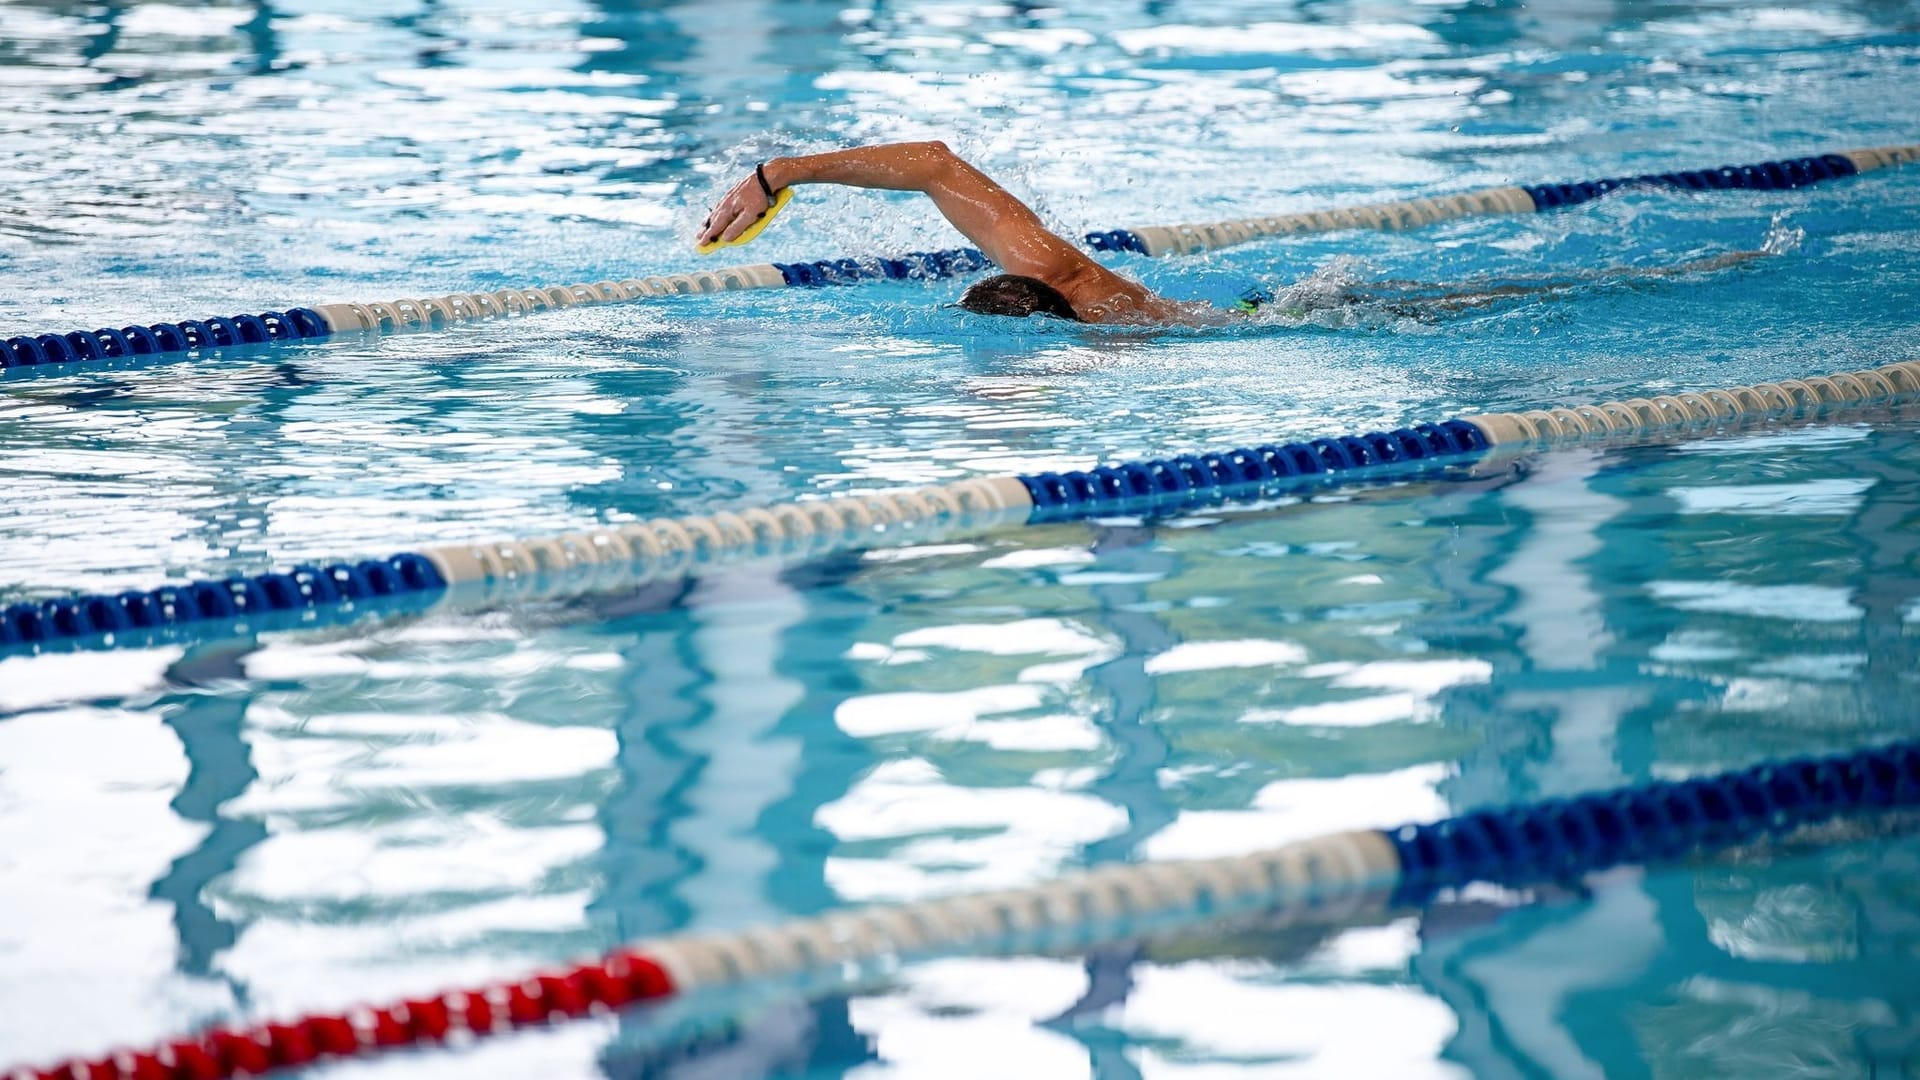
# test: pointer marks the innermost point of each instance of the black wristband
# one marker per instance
(760, 174)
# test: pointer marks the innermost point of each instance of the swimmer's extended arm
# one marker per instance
(1002, 226)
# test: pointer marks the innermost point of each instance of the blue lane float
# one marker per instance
(150, 613)
(294, 324)
(913, 266)
(1781, 175)
(437, 313)
(1563, 839)
(1200, 479)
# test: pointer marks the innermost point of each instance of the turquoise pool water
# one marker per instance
(308, 820)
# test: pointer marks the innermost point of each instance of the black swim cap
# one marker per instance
(1011, 294)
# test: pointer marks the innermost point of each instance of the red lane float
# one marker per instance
(618, 979)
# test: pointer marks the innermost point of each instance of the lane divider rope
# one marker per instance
(1533, 198)
(1331, 878)
(439, 312)
(497, 573)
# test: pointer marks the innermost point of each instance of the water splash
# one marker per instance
(1782, 238)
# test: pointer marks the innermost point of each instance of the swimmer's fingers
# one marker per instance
(734, 213)
(716, 224)
(742, 223)
(727, 223)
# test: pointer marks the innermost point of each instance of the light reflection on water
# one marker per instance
(311, 820)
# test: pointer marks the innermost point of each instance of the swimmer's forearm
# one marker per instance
(972, 200)
(916, 166)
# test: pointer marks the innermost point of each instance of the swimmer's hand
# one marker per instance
(746, 205)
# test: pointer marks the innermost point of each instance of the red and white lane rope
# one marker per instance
(1331, 878)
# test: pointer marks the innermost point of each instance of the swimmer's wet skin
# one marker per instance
(1044, 272)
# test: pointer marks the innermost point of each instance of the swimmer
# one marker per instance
(1043, 272)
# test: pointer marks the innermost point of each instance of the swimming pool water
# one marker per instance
(313, 819)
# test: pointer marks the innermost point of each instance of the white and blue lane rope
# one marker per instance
(320, 322)
(612, 558)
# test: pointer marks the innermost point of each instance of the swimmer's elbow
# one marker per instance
(927, 165)
(937, 159)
